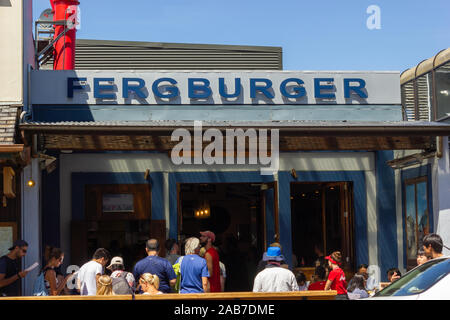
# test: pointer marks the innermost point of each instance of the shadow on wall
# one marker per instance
(5, 3)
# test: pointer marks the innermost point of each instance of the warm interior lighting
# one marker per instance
(203, 212)
(30, 183)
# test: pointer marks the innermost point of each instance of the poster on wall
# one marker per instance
(7, 236)
(118, 203)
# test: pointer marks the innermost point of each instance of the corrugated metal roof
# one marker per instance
(308, 127)
(126, 55)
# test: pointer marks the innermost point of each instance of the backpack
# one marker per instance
(120, 285)
(39, 285)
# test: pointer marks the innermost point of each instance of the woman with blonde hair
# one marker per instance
(104, 286)
(149, 283)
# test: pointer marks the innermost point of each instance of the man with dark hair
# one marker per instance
(172, 250)
(10, 274)
(432, 245)
(156, 265)
(91, 271)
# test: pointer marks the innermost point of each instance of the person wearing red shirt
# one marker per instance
(336, 278)
(319, 279)
(207, 238)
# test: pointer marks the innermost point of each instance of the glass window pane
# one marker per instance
(411, 243)
(443, 90)
(422, 210)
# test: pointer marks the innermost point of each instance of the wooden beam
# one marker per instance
(11, 148)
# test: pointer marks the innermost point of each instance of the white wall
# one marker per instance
(442, 213)
(31, 223)
(11, 53)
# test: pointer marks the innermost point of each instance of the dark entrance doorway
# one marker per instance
(235, 212)
(322, 221)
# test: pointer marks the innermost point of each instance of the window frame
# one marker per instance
(411, 262)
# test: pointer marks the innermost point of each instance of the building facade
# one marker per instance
(321, 169)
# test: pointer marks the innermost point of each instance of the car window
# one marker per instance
(418, 280)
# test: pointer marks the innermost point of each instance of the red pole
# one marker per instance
(65, 46)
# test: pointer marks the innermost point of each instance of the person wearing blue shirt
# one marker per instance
(156, 265)
(193, 268)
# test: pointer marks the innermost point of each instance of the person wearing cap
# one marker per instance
(207, 239)
(10, 274)
(274, 278)
(118, 270)
(336, 277)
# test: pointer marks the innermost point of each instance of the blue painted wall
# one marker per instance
(386, 213)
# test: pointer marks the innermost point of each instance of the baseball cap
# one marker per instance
(18, 243)
(209, 234)
(115, 260)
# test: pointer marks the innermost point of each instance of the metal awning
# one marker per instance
(294, 135)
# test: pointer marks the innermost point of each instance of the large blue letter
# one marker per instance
(357, 89)
(71, 86)
(318, 87)
(135, 88)
(99, 87)
(205, 90)
(299, 90)
(262, 89)
(172, 91)
(237, 88)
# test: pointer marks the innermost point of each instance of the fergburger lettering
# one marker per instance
(201, 88)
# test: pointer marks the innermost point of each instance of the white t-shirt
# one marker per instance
(275, 279)
(88, 278)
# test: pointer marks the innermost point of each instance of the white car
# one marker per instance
(429, 281)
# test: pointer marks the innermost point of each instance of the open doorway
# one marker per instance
(235, 213)
(321, 218)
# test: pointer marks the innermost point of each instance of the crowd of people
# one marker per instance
(199, 270)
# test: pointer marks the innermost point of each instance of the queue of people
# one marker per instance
(199, 270)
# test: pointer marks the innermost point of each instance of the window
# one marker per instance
(443, 90)
(417, 223)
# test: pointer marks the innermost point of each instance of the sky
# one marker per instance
(314, 34)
